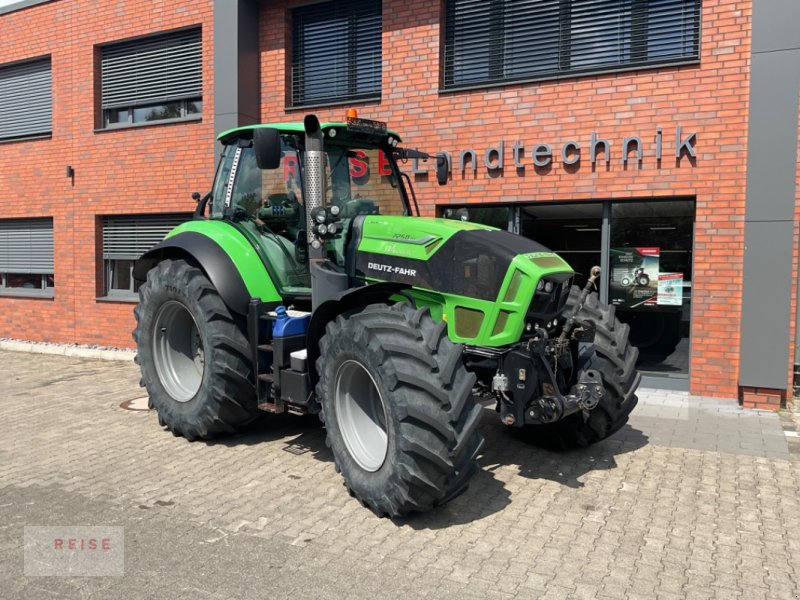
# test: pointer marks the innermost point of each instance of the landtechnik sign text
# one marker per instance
(571, 152)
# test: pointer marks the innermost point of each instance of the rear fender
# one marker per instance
(210, 257)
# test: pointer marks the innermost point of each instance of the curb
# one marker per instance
(65, 350)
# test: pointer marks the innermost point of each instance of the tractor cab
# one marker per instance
(270, 205)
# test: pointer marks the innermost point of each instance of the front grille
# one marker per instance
(547, 306)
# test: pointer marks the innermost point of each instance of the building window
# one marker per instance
(26, 101)
(336, 52)
(125, 239)
(26, 257)
(154, 79)
(498, 41)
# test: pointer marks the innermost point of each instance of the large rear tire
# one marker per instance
(398, 408)
(616, 362)
(192, 354)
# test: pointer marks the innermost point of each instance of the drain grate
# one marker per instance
(135, 404)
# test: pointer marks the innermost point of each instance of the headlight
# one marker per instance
(321, 216)
(548, 287)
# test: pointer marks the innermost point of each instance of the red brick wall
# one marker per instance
(710, 98)
(143, 170)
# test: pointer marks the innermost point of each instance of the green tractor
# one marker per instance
(310, 288)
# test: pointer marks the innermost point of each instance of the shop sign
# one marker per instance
(571, 152)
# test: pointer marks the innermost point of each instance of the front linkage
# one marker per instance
(530, 376)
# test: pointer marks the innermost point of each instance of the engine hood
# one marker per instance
(444, 255)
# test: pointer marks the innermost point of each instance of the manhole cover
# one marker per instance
(135, 404)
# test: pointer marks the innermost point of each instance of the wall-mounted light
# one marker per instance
(70, 172)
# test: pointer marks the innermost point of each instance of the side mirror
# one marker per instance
(267, 146)
(442, 169)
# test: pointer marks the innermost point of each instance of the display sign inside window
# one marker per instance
(634, 277)
(670, 289)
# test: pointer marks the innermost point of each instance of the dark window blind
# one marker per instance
(26, 246)
(152, 70)
(490, 41)
(128, 237)
(26, 102)
(336, 52)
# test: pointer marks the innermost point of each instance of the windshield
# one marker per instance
(362, 182)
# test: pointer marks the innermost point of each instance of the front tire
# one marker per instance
(192, 355)
(398, 408)
(615, 360)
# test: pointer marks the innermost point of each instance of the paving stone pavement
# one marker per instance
(694, 498)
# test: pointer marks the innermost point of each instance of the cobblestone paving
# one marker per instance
(649, 513)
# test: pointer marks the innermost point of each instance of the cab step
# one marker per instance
(277, 408)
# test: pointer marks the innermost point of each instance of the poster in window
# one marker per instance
(670, 289)
(634, 277)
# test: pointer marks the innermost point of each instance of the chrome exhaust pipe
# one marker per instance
(314, 179)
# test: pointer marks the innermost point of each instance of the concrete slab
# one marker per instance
(680, 420)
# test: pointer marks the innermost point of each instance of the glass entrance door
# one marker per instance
(650, 280)
(574, 231)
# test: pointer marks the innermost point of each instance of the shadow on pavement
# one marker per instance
(300, 434)
(486, 494)
(567, 467)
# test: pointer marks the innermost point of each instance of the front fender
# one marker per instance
(341, 303)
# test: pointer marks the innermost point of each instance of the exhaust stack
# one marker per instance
(314, 175)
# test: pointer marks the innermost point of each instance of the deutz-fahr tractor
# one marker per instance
(306, 284)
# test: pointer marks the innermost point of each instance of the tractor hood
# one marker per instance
(452, 257)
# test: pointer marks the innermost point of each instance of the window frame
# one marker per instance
(637, 46)
(43, 291)
(185, 116)
(131, 293)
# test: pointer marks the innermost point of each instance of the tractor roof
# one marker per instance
(296, 127)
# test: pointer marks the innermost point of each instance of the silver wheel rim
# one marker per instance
(361, 415)
(178, 351)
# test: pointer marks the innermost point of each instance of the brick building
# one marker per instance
(656, 138)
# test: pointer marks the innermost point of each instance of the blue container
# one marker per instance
(286, 324)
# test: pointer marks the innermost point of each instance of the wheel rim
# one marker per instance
(178, 351)
(361, 415)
